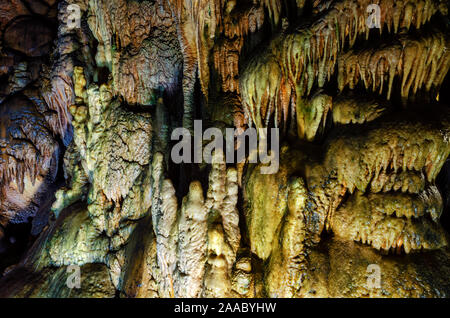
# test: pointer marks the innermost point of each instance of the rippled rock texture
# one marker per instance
(93, 204)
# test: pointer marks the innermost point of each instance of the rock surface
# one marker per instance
(90, 189)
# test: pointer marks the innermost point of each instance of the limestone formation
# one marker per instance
(94, 92)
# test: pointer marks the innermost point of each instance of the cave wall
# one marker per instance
(93, 91)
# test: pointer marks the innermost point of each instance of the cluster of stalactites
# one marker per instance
(287, 70)
(422, 62)
(230, 22)
(394, 14)
(27, 146)
(274, 9)
(367, 219)
(59, 96)
(425, 151)
(56, 83)
(357, 109)
(389, 186)
(198, 24)
(236, 26)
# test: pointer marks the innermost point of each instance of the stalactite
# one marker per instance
(59, 96)
(357, 109)
(296, 62)
(312, 115)
(236, 26)
(383, 231)
(27, 145)
(395, 155)
(374, 68)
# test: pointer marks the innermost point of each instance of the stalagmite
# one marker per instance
(201, 239)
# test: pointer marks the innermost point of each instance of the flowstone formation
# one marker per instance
(94, 204)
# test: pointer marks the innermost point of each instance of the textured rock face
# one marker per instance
(399, 275)
(51, 282)
(384, 199)
(29, 159)
(29, 150)
(142, 53)
(91, 91)
(29, 36)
